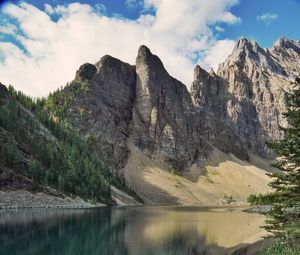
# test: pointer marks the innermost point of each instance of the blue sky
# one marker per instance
(38, 34)
(286, 23)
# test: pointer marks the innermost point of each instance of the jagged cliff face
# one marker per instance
(119, 104)
(163, 114)
(249, 91)
(257, 82)
(99, 104)
(235, 110)
(145, 124)
(209, 93)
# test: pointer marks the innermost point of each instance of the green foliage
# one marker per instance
(285, 215)
(85, 87)
(283, 249)
(229, 198)
(35, 171)
(263, 199)
(62, 158)
(176, 165)
(27, 101)
(9, 154)
(59, 103)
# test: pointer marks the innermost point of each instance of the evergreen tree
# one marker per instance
(9, 154)
(66, 162)
(285, 216)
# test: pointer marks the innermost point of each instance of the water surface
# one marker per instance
(127, 231)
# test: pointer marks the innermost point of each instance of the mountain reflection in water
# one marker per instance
(127, 231)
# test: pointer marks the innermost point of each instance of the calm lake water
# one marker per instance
(127, 231)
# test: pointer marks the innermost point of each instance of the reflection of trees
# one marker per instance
(117, 231)
(89, 232)
(72, 232)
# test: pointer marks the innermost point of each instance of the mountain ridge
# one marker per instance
(141, 111)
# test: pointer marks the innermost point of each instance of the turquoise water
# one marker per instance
(126, 231)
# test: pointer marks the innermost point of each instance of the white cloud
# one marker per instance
(267, 18)
(219, 29)
(218, 52)
(49, 9)
(8, 29)
(151, 3)
(229, 18)
(54, 50)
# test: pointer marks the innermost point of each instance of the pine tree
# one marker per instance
(284, 219)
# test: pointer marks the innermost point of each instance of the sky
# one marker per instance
(43, 43)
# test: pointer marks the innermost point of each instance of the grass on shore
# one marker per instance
(283, 249)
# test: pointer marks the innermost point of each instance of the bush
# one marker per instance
(283, 249)
(9, 154)
(263, 199)
(35, 171)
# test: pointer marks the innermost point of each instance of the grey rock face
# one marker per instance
(253, 84)
(210, 95)
(286, 53)
(235, 110)
(101, 100)
(162, 112)
(86, 72)
(3, 91)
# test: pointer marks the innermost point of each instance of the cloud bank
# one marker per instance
(49, 45)
(267, 18)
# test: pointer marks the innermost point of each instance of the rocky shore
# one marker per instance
(13, 199)
(252, 249)
(262, 209)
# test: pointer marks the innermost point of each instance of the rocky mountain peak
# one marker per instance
(108, 61)
(247, 54)
(283, 42)
(86, 72)
(144, 52)
(244, 46)
(212, 72)
(235, 110)
(161, 111)
(200, 74)
(286, 53)
(3, 90)
(145, 59)
(243, 43)
(141, 110)
(285, 46)
(280, 42)
(257, 82)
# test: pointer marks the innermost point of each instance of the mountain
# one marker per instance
(41, 162)
(259, 80)
(170, 145)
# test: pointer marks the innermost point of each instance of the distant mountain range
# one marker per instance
(168, 144)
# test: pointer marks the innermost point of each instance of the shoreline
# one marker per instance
(261, 209)
(23, 199)
(253, 248)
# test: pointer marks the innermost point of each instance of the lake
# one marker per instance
(141, 230)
